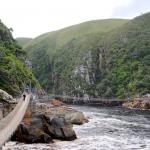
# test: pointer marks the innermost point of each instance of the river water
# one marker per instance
(107, 129)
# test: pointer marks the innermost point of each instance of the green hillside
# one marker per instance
(58, 38)
(23, 41)
(105, 58)
(14, 75)
(48, 44)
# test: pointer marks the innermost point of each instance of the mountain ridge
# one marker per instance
(23, 40)
(94, 62)
(82, 25)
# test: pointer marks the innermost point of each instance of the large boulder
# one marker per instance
(30, 135)
(43, 129)
(71, 115)
(46, 122)
(58, 128)
(76, 117)
(5, 97)
(33, 132)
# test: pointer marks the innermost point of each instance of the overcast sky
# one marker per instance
(30, 18)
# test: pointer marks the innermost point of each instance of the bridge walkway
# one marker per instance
(9, 124)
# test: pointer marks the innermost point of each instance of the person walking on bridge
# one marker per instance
(24, 96)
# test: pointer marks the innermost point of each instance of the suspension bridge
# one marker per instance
(9, 124)
(82, 100)
(89, 100)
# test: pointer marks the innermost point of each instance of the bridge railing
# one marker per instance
(9, 124)
(64, 97)
(75, 99)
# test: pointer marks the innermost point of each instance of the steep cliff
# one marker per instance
(105, 58)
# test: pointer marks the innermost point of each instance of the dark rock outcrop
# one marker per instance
(58, 128)
(48, 122)
(31, 135)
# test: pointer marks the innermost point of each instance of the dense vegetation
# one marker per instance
(105, 58)
(47, 49)
(14, 75)
(129, 58)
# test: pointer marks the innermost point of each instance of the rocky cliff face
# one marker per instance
(86, 75)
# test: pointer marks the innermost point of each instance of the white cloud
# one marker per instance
(30, 18)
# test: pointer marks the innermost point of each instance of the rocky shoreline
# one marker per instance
(137, 103)
(46, 121)
(142, 103)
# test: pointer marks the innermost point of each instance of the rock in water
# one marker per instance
(76, 117)
(43, 129)
(48, 122)
(71, 115)
(58, 128)
(33, 133)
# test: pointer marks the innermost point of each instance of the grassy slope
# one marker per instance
(23, 41)
(58, 38)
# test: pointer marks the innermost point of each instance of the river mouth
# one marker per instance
(107, 129)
